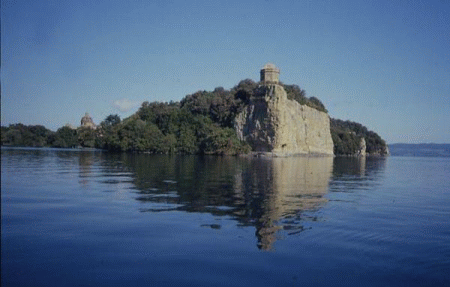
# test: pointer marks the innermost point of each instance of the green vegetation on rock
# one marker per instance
(201, 123)
(295, 93)
(347, 136)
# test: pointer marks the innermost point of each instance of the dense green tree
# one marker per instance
(347, 136)
(106, 135)
(86, 137)
(315, 103)
(247, 86)
(223, 141)
(138, 135)
(65, 137)
(22, 135)
(294, 92)
(187, 142)
(110, 121)
(198, 103)
(4, 130)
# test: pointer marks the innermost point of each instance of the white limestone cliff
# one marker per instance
(272, 123)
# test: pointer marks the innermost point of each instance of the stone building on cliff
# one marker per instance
(270, 74)
(272, 123)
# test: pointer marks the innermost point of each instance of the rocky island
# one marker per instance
(266, 117)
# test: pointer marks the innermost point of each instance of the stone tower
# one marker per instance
(272, 123)
(270, 74)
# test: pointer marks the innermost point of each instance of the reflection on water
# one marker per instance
(279, 191)
(85, 162)
(92, 218)
(358, 167)
(352, 173)
(270, 194)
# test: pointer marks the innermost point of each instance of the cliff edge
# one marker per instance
(273, 123)
(265, 117)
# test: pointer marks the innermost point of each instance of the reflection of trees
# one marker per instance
(350, 173)
(267, 193)
(88, 163)
(85, 161)
(199, 182)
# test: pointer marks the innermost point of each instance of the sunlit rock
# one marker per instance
(272, 123)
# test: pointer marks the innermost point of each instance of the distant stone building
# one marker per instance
(270, 74)
(87, 122)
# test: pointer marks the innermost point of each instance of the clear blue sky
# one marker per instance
(385, 64)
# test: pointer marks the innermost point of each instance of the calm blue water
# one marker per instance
(87, 218)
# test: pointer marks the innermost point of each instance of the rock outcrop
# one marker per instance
(272, 123)
(362, 147)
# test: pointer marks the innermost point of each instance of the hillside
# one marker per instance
(205, 122)
(347, 138)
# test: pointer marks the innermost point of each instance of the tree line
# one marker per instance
(201, 123)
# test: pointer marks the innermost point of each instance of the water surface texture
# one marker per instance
(88, 218)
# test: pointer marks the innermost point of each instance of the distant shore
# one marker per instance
(421, 149)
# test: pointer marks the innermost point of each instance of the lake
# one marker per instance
(90, 218)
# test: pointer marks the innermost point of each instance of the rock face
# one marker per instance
(272, 123)
(362, 147)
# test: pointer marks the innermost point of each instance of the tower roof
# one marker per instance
(269, 66)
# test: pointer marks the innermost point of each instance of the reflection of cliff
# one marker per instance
(267, 193)
(285, 187)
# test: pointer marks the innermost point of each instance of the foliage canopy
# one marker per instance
(202, 122)
(347, 136)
